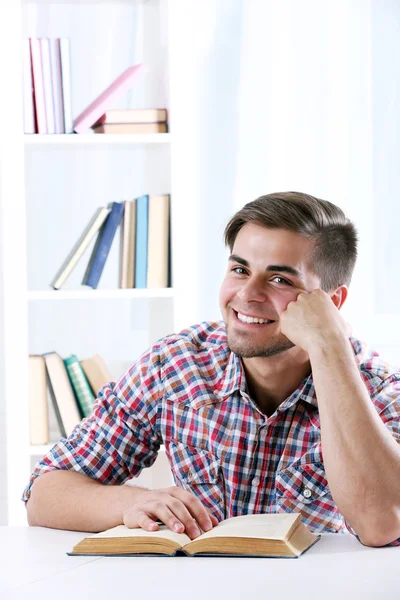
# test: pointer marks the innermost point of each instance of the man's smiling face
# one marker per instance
(267, 269)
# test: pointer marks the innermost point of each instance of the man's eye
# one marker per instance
(281, 280)
(239, 270)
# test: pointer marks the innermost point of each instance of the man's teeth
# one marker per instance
(246, 319)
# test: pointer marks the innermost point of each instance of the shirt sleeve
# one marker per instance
(120, 437)
(387, 402)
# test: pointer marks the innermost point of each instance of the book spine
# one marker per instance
(55, 59)
(29, 101)
(55, 404)
(80, 384)
(126, 224)
(103, 246)
(157, 264)
(79, 248)
(142, 226)
(65, 54)
(47, 85)
(38, 413)
(38, 85)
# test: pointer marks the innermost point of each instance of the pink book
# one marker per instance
(99, 106)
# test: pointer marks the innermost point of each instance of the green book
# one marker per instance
(80, 384)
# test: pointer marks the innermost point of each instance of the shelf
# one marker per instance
(89, 294)
(68, 140)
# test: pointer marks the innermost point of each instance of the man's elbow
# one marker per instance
(385, 532)
(32, 521)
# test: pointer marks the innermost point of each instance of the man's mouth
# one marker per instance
(252, 320)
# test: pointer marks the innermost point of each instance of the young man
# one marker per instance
(273, 410)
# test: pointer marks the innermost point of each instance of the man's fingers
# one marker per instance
(142, 520)
(198, 512)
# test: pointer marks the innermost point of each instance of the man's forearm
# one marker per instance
(68, 500)
(361, 458)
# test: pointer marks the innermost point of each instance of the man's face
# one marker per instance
(266, 270)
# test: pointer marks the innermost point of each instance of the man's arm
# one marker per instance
(361, 457)
(69, 500)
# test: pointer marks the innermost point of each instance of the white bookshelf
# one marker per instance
(50, 185)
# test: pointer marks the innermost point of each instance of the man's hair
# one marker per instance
(334, 235)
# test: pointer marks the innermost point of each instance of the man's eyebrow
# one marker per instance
(273, 268)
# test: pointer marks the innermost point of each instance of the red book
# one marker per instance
(99, 106)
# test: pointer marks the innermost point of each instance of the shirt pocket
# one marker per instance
(304, 489)
(198, 471)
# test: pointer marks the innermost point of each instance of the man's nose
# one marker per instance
(252, 291)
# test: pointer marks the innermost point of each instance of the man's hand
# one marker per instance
(178, 509)
(313, 321)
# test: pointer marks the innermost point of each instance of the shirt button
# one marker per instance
(256, 481)
(307, 493)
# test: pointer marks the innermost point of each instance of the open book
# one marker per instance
(271, 535)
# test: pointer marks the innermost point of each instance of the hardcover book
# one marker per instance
(38, 413)
(62, 394)
(280, 535)
(47, 84)
(158, 246)
(103, 245)
(38, 87)
(100, 104)
(55, 59)
(131, 128)
(96, 372)
(29, 102)
(127, 251)
(80, 385)
(80, 246)
(65, 56)
(133, 115)
(142, 232)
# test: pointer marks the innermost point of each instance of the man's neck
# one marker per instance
(271, 380)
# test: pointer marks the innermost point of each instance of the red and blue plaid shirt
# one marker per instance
(189, 393)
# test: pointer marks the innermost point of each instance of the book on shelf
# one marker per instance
(103, 245)
(100, 104)
(280, 535)
(80, 246)
(141, 243)
(83, 391)
(127, 250)
(158, 242)
(57, 88)
(61, 393)
(29, 101)
(111, 128)
(65, 59)
(47, 85)
(97, 372)
(38, 402)
(133, 115)
(38, 86)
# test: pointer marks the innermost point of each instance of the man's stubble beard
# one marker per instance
(245, 348)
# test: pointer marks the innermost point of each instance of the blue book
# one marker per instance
(103, 245)
(142, 234)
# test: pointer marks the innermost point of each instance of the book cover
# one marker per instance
(100, 104)
(47, 84)
(55, 60)
(142, 128)
(158, 244)
(278, 535)
(103, 245)
(80, 246)
(29, 101)
(65, 56)
(61, 393)
(80, 384)
(96, 372)
(38, 87)
(127, 262)
(142, 228)
(38, 407)
(133, 115)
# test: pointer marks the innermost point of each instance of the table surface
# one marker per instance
(34, 564)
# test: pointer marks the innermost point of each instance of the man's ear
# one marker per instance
(339, 296)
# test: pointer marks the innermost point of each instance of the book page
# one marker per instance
(272, 526)
(163, 532)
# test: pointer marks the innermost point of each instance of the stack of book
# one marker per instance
(47, 85)
(72, 385)
(150, 120)
(145, 244)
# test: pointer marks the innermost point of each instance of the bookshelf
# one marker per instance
(49, 186)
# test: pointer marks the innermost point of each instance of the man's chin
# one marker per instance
(248, 350)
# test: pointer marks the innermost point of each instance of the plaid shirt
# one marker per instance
(189, 393)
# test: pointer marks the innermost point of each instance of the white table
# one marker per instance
(34, 565)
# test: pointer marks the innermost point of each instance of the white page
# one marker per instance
(272, 526)
(163, 532)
